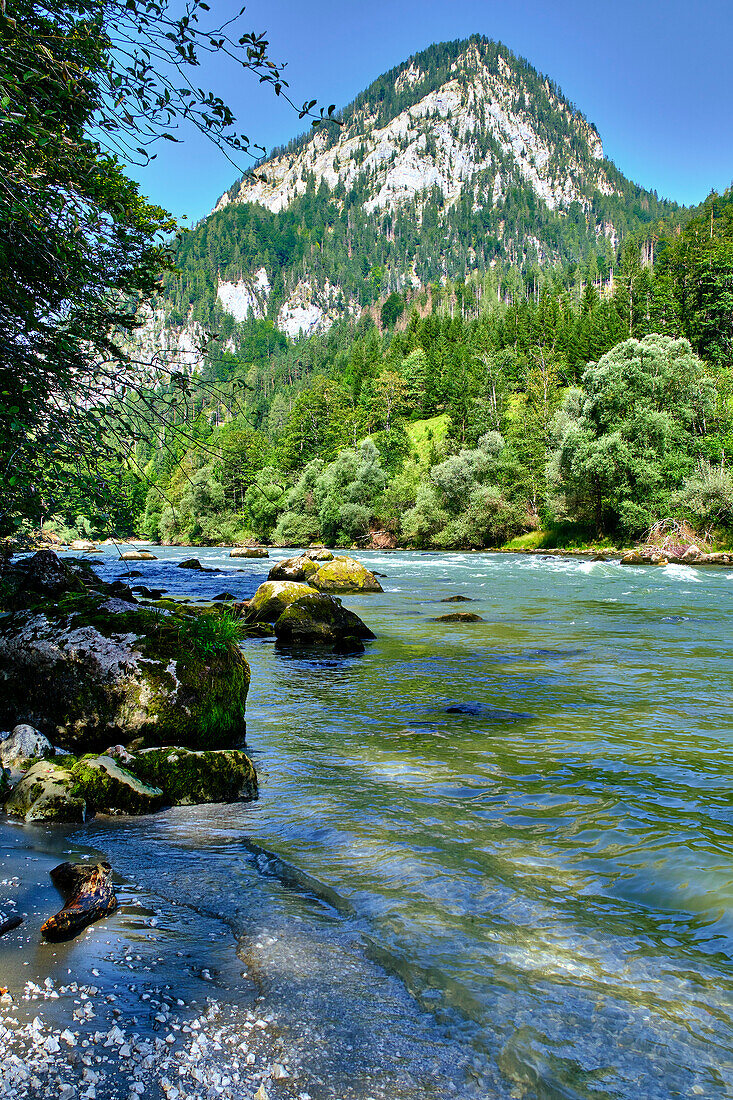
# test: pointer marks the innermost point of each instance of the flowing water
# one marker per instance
(488, 858)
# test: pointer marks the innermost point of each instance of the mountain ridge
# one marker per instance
(459, 161)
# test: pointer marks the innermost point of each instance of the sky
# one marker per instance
(654, 76)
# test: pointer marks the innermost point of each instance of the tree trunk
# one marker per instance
(89, 897)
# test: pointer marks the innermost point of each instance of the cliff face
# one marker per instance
(482, 119)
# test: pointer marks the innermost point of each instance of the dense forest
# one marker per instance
(530, 406)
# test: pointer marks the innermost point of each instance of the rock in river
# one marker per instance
(319, 619)
(249, 552)
(459, 617)
(47, 793)
(90, 671)
(302, 616)
(345, 575)
(271, 599)
(190, 778)
(326, 573)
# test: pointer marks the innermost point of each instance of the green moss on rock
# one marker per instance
(272, 598)
(344, 575)
(47, 792)
(91, 671)
(190, 778)
(319, 619)
(109, 788)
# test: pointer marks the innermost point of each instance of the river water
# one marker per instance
(489, 859)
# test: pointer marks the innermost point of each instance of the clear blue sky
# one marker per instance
(655, 76)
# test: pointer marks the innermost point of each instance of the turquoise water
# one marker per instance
(492, 858)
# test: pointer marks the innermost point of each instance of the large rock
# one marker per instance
(47, 792)
(249, 552)
(95, 671)
(319, 553)
(43, 575)
(108, 788)
(293, 569)
(22, 745)
(344, 574)
(137, 555)
(319, 619)
(190, 778)
(86, 545)
(272, 598)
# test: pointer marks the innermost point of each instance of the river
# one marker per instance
(489, 859)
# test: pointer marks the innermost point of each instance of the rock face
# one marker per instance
(190, 778)
(327, 572)
(90, 671)
(249, 552)
(318, 619)
(24, 744)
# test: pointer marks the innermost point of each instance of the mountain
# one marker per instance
(463, 160)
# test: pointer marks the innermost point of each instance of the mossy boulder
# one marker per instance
(301, 568)
(344, 574)
(91, 671)
(319, 553)
(108, 788)
(190, 778)
(316, 618)
(47, 792)
(272, 598)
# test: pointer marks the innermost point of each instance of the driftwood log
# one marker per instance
(89, 896)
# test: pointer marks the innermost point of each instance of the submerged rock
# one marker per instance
(457, 599)
(459, 617)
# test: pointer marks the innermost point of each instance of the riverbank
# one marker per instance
(153, 1001)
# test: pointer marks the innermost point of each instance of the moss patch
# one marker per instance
(191, 778)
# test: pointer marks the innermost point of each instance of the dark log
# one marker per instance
(9, 925)
(90, 896)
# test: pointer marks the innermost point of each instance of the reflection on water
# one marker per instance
(527, 821)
